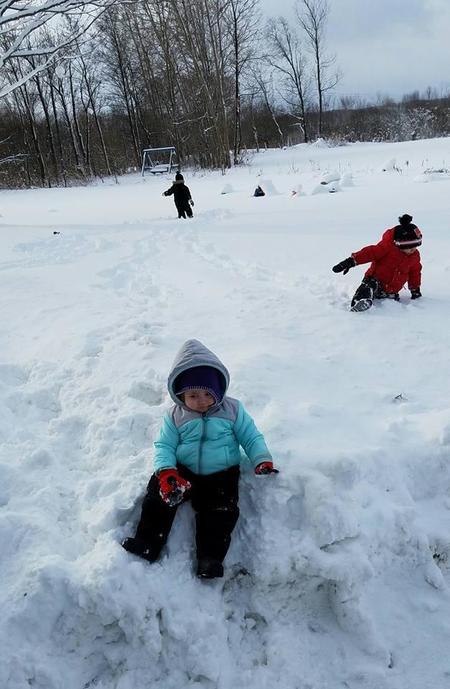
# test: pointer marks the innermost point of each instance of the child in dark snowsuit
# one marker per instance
(395, 260)
(181, 196)
(197, 457)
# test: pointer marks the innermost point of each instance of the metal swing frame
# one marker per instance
(150, 160)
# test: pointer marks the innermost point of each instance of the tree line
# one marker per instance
(82, 96)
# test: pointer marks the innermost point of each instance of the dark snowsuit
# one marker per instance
(181, 196)
(214, 499)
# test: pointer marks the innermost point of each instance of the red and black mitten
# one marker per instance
(172, 486)
(265, 468)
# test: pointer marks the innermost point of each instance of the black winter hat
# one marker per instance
(407, 235)
(179, 177)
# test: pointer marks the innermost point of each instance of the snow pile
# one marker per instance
(390, 165)
(319, 143)
(325, 188)
(433, 175)
(333, 176)
(338, 574)
(269, 187)
(298, 191)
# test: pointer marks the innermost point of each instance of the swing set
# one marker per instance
(158, 160)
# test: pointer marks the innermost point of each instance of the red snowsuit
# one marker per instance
(391, 266)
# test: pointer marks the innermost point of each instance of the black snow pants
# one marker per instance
(370, 288)
(214, 499)
(183, 209)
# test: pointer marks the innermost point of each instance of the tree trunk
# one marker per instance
(49, 128)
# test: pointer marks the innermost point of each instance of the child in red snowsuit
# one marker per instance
(395, 261)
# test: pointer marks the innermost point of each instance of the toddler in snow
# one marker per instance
(181, 196)
(197, 457)
(395, 260)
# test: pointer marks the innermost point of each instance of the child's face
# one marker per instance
(409, 251)
(198, 400)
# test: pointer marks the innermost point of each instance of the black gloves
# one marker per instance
(344, 265)
(416, 293)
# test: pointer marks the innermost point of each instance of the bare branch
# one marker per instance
(22, 22)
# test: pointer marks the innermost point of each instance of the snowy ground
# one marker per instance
(347, 549)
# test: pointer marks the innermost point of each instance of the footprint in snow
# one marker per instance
(13, 375)
(72, 428)
(39, 405)
(92, 348)
(149, 393)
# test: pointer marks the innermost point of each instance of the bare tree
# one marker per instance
(121, 75)
(313, 18)
(204, 58)
(242, 17)
(26, 101)
(287, 57)
(91, 103)
(21, 31)
(40, 87)
(264, 86)
(59, 85)
(164, 70)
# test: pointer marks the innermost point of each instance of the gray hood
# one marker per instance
(194, 353)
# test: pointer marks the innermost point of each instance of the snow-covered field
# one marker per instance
(347, 548)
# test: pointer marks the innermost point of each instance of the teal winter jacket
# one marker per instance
(209, 442)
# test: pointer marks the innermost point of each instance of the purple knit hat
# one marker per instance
(200, 378)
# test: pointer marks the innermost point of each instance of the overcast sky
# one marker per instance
(385, 46)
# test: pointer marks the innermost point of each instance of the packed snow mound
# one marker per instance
(333, 176)
(228, 189)
(319, 143)
(338, 574)
(268, 187)
(326, 188)
(433, 175)
(297, 191)
(390, 165)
